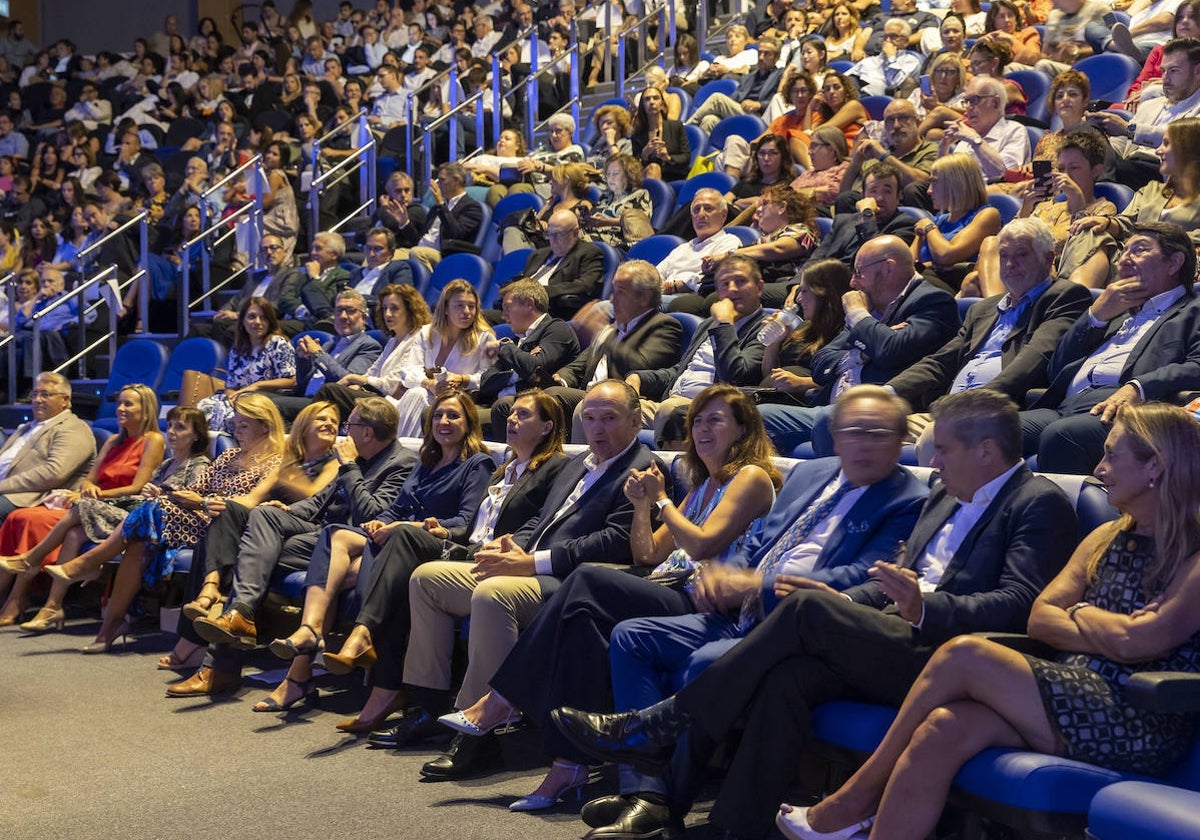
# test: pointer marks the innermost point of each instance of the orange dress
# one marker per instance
(26, 527)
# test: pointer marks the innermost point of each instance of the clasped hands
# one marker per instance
(502, 557)
(644, 487)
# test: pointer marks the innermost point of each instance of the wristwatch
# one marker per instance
(661, 504)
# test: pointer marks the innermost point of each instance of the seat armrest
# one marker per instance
(1164, 691)
(1020, 643)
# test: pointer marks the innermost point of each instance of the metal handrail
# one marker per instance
(411, 115)
(665, 20)
(363, 162)
(83, 312)
(337, 129)
(448, 119)
(253, 210)
(529, 84)
(142, 275)
(255, 161)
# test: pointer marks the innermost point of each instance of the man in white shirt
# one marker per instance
(681, 269)
(390, 107)
(90, 110)
(998, 144)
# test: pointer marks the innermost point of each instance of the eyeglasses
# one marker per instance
(345, 430)
(346, 310)
(864, 434)
(45, 395)
(375, 249)
(946, 71)
(553, 234)
(895, 36)
(859, 270)
(975, 100)
(272, 248)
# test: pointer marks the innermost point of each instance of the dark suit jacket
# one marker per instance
(850, 231)
(739, 356)
(361, 491)
(745, 88)
(1023, 357)
(578, 278)
(877, 522)
(534, 359)
(675, 137)
(596, 527)
(357, 357)
(318, 293)
(523, 501)
(930, 316)
(462, 223)
(397, 271)
(410, 234)
(653, 343)
(1166, 360)
(1022, 541)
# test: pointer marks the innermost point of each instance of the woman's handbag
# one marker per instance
(195, 386)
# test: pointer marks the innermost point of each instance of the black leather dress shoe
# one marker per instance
(641, 820)
(415, 727)
(468, 755)
(604, 810)
(616, 738)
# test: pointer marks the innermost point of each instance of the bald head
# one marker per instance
(563, 230)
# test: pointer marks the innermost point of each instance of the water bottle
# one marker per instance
(781, 326)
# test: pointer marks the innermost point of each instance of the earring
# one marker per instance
(1152, 484)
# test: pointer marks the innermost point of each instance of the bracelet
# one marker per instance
(1076, 608)
(661, 504)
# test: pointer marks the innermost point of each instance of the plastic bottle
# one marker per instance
(781, 326)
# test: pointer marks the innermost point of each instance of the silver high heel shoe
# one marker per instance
(105, 646)
(580, 776)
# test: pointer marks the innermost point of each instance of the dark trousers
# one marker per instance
(272, 537)
(562, 657)
(216, 551)
(344, 397)
(1067, 439)
(383, 589)
(813, 648)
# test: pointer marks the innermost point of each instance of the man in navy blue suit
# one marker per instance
(893, 319)
(989, 538)
(815, 530)
(1139, 341)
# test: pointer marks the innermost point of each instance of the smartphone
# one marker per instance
(926, 86)
(1041, 175)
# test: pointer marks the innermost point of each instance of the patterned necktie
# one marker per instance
(798, 533)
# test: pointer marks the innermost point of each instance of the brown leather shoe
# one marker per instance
(232, 628)
(206, 682)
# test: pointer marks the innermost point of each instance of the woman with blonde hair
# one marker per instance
(1124, 604)
(33, 536)
(264, 467)
(569, 184)
(964, 219)
(450, 352)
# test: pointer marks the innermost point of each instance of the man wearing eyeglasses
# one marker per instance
(53, 449)
(901, 146)
(907, 11)
(1139, 341)
(352, 351)
(998, 144)
(270, 282)
(571, 269)
(989, 538)
(893, 70)
(893, 318)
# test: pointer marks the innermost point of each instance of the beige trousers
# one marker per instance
(499, 608)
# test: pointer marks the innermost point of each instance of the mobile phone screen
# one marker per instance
(926, 86)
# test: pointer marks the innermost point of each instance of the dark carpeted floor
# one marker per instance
(92, 748)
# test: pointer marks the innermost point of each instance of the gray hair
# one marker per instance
(991, 87)
(530, 291)
(354, 295)
(645, 279)
(979, 414)
(899, 405)
(332, 241)
(562, 121)
(900, 22)
(1032, 230)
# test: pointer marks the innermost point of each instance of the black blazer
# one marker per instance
(1023, 539)
(596, 527)
(739, 356)
(534, 360)
(397, 271)
(361, 491)
(578, 278)
(1166, 360)
(653, 343)
(1023, 357)
(460, 224)
(523, 501)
